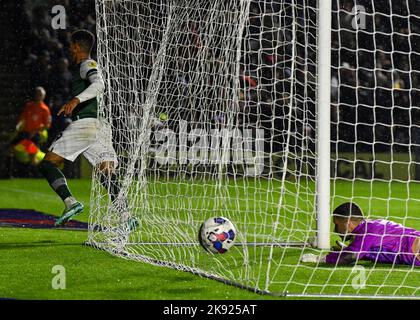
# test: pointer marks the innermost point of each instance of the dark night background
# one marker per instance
(375, 90)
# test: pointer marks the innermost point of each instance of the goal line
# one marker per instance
(294, 244)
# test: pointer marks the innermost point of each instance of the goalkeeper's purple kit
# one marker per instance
(382, 241)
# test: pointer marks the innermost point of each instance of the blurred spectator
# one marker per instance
(31, 129)
(27, 152)
(35, 119)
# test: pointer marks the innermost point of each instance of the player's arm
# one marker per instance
(342, 257)
(355, 251)
(88, 71)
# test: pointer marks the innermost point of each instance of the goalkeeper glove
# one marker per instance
(313, 258)
(340, 246)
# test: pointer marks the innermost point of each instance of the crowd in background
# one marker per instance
(43, 56)
(376, 90)
(375, 70)
(46, 50)
(375, 77)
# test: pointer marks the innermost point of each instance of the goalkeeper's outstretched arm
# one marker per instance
(343, 258)
(358, 248)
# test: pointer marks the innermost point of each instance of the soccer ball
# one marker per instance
(217, 235)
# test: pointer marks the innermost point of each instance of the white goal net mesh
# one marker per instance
(213, 110)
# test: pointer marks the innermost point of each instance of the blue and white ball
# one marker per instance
(217, 235)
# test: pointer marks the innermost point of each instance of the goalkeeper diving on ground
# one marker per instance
(85, 135)
(379, 241)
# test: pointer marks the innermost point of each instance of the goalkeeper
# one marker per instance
(86, 134)
(380, 240)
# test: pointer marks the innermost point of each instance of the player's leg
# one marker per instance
(73, 141)
(109, 179)
(104, 158)
(119, 203)
(49, 167)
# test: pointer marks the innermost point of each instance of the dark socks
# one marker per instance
(110, 183)
(55, 178)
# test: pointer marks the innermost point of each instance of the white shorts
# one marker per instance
(86, 136)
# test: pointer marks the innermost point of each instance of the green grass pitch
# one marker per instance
(28, 255)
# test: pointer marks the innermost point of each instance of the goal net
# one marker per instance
(215, 112)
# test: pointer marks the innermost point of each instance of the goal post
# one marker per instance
(270, 114)
(324, 125)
